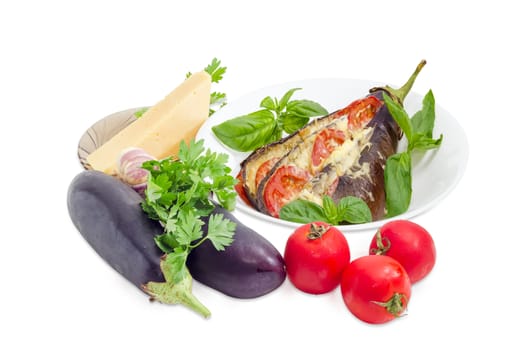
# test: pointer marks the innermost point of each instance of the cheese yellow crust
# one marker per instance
(159, 131)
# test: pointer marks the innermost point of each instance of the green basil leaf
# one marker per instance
(354, 210)
(423, 142)
(290, 122)
(400, 116)
(330, 210)
(284, 100)
(423, 120)
(398, 183)
(248, 132)
(305, 108)
(268, 103)
(302, 211)
(277, 133)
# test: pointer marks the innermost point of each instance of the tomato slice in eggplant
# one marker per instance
(325, 143)
(284, 184)
(264, 169)
(362, 111)
(238, 187)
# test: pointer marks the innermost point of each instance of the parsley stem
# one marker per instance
(199, 242)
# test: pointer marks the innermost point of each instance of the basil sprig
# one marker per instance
(350, 210)
(251, 131)
(398, 171)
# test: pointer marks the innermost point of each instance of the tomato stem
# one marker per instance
(395, 306)
(316, 231)
(382, 245)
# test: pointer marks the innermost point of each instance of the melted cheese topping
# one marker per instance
(347, 155)
(344, 160)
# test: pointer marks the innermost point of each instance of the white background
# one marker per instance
(64, 65)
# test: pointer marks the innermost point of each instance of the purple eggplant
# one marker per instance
(108, 215)
(250, 267)
(382, 144)
(370, 185)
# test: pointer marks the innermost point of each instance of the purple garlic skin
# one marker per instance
(129, 168)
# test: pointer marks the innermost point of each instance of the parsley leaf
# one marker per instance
(220, 231)
(176, 260)
(217, 99)
(178, 195)
(215, 70)
(139, 113)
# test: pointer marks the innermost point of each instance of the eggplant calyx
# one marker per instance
(316, 231)
(395, 306)
(169, 292)
(399, 95)
(382, 245)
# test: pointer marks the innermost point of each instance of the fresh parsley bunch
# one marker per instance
(179, 195)
(251, 131)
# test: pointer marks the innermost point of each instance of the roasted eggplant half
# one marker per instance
(338, 155)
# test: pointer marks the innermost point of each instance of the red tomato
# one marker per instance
(282, 186)
(362, 111)
(325, 142)
(240, 189)
(376, 288)
(264, 169)
(315, 256)
(408, 243)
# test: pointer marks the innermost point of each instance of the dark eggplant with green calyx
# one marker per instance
(250, 267)
(382, 144)
(108, 215)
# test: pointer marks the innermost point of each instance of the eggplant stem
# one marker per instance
(171, 292)
(399, 94)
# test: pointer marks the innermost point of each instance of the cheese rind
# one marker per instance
(162, 127)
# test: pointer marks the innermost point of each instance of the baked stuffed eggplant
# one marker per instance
(338, 155)
(258, 164)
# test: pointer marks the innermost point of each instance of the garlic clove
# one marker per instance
(129, 168)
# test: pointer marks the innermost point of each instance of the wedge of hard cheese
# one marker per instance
(159, 131)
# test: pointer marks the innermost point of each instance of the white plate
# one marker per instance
(434, 175)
